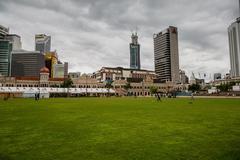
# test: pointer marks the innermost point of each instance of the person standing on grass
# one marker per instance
(192, 98)
(158, 96)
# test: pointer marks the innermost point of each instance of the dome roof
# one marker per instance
(44, 70)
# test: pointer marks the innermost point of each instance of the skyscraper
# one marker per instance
(5, 52)
(15, 40)
(166, 57)
(42, 43)
(65, 69)
(5, 57)
(135, 53)
(26, 63)
(234, 47)
(3, 32)
(58, 71)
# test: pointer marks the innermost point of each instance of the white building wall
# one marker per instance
(126, 73)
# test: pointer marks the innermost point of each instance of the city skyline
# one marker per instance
(92, 38)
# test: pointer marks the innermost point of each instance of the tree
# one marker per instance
(127, 86)
(109, 85)
(153, 90)
(224, 87)
(67, 83)
(194, 87)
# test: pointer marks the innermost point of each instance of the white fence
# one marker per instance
(54, 90)
(236, 88)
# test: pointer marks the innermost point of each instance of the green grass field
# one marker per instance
(120, 129)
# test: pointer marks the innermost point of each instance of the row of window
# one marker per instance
(88, 86)
(140, 87)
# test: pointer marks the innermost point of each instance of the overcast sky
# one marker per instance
(90, 34)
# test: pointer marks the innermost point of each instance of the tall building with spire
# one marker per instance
(135, 52)
(234, 47)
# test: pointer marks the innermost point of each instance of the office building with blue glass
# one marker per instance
(135, 53)
(5, 52)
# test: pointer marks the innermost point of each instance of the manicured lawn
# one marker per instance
(119, 129)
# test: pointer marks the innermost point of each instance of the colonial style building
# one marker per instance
(140, 83)
(143, 88)
(119, 73)
(41, 81)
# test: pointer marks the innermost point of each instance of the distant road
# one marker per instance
(220, 97)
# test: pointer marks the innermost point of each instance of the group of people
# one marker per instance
(158, 96)
(37, 96)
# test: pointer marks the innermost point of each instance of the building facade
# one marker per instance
(119, 73)
(3, 32)
(74, 75)
(15, 40)
(42, 43)
(135, 53)
(88, 85)
(5, 52)
(183, 77)
(65, 69)
(5, 57)
(26, 63)
(166, 57)
(58, 71)
(234, 47)
(143, 88)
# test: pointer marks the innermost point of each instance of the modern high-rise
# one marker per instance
(234, 47)
(3, 32)
(5, 52)
(166, 57)
(15, 40)
(58, 71)
(5, 57)
(26, 63)
(42, 43)
(183, 77)
(65, 69)
(51, 58)
(135, 53)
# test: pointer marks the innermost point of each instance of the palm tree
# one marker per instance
(67, 83)
(153, 90)
(109, 85)
(127, 87)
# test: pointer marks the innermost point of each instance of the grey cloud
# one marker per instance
(94, 33)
